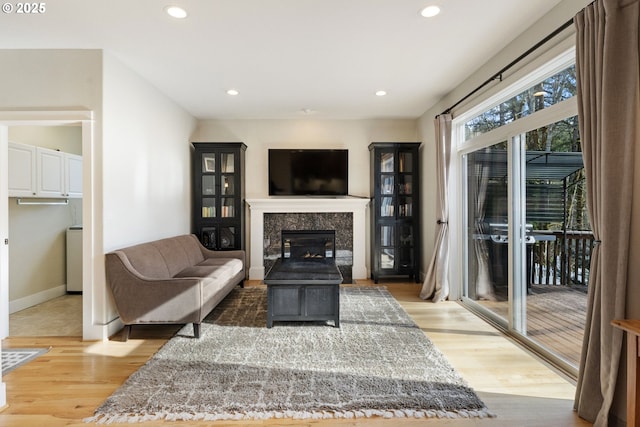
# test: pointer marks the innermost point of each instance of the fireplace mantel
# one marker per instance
(258, 207)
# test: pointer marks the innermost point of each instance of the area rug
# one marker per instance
(378, 363)
(15, 357)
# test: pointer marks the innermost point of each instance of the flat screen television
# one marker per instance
(317, 172)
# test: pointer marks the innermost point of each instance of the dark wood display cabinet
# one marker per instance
(218, 194)
(395, 210)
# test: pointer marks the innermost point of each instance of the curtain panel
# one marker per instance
(436, 282)
(607, 70)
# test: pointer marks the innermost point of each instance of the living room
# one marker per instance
(137, 150)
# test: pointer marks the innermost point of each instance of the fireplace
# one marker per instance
(304, 282)
(304, 226)
(308, 245)
(301, 213)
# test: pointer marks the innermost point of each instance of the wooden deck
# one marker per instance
(556, 317)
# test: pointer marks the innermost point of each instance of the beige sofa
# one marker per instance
(173, 280)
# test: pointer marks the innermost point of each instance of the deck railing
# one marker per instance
(563, 261)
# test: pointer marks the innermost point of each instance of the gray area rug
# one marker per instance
(13, 358)
(378, 363)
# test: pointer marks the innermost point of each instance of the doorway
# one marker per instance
(42, 298)
(83, 120)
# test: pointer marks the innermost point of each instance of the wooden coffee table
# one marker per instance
(303, 290)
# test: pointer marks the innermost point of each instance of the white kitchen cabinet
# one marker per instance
(42, 172)
(50, 173)
(73, 175)
(22, 170)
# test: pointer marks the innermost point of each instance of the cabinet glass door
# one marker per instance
(387, 186)
(406, 243)
(405, 160)
(208, 185)
(405, 206)
(228, 207)
(405, 184)
(209, 163)
(387, 162)
(227, 237)
(227, 185)
(227, 163)
(208, 207)
(387, 208)
(387, 246)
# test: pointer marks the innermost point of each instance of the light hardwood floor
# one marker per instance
(66, 384)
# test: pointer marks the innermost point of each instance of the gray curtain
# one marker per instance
(436, 282)
(483, 284)
(607, 69)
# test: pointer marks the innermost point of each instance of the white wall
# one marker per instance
(56, 80)
(146, 160)
(145, 169)
(62, 138)
(50, 79)
(260, 135)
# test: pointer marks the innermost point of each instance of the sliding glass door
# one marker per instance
(495, 232)
(525, 236)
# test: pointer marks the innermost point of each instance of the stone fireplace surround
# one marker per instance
(259, 207)
(340, 222)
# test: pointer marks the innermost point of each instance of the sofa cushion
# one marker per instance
(220, 269)
(179, 252)
(162, 259)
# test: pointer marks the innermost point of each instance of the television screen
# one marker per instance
(308, 172)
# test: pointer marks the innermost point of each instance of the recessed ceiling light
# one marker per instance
(430, 11)
(176, 12)
(381, 93)
(232, 92)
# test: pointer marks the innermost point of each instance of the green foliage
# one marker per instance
(551, 91)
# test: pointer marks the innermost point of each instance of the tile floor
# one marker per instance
(61, 316)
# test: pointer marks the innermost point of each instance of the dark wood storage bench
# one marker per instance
(303, 290)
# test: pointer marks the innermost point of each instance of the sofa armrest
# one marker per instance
(141, 299)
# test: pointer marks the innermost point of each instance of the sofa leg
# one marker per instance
(242, 284)
(125, 333)
(196, 330)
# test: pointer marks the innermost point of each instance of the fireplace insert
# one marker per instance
(308, 244)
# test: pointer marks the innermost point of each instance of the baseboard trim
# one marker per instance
(35, 299)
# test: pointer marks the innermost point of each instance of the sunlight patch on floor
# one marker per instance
(113, 348)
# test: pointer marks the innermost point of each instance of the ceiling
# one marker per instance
(287, 58)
